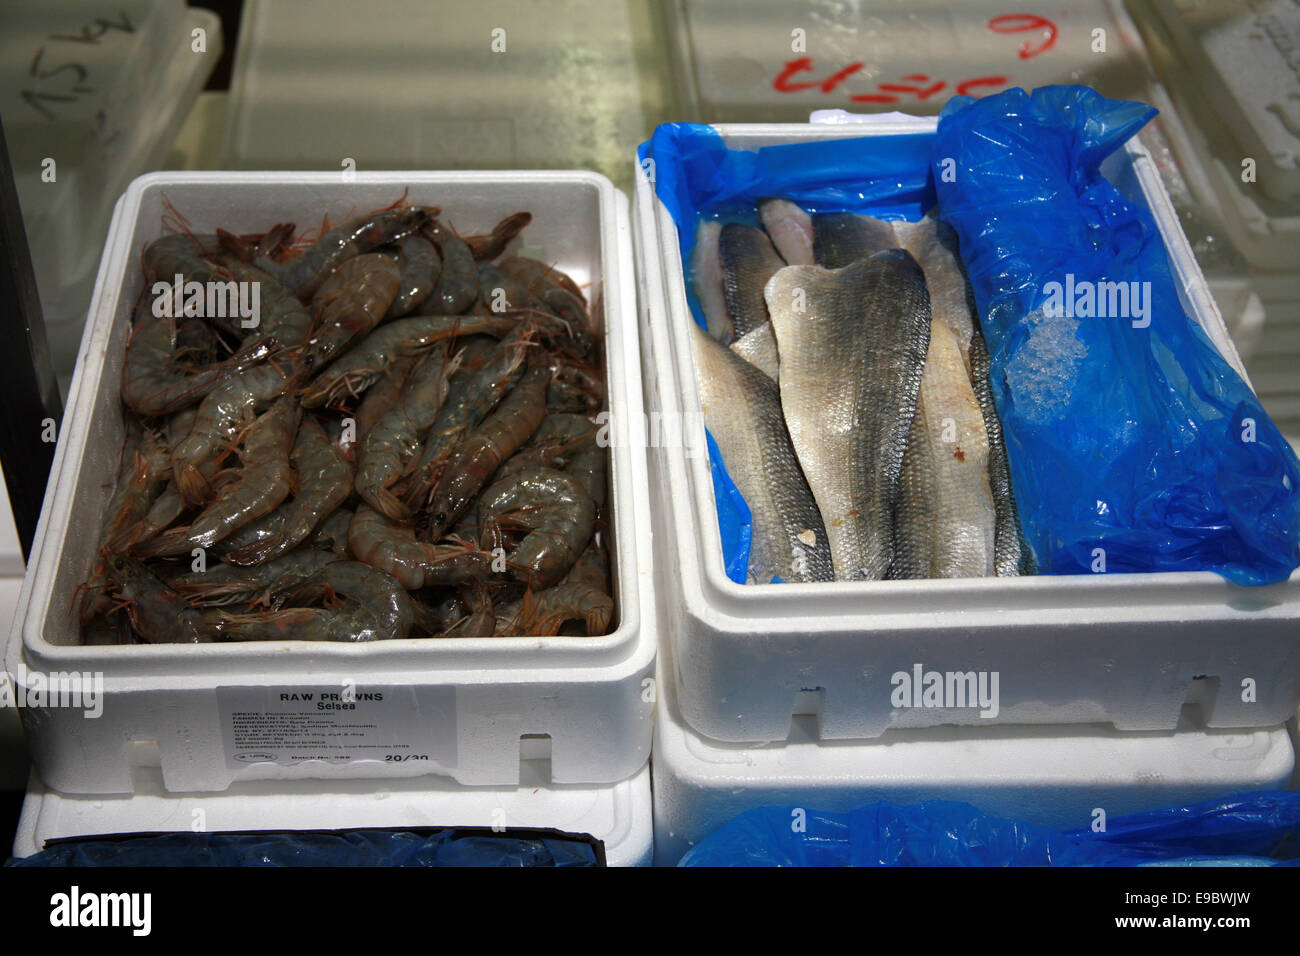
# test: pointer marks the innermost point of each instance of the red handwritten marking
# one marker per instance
(964, 87)
(922, 93)
(836, 79)
(785, 83)
(782, 83)
(1026, 23)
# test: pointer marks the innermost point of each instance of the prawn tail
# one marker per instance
(598, 618)
(191, 483)
(388, 504)
(164, 545)
(237, 246)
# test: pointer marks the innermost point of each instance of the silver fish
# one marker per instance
(706, 271)
(748, 260)
(790, 229)
(758, 348)
(933, 244)
(842, 238)
(742, 410)
(944, 526)
(853, 343)
(1011, 556)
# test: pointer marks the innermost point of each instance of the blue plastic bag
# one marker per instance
(1261, 828)
(1131, 440)
(401, 848)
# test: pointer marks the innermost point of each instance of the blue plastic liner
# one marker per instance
(1126, 448)
(1252, 829)
(1131, 440)
(352, 848)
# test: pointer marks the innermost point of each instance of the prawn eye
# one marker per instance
(440, 517)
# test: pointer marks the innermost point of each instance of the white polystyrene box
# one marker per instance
(1123, 649)
(472, 699)
(618, 814)
(1055, 777)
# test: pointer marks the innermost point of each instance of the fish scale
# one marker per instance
(1011, 557)
(853, 343)
(742, 410)
(758, 348)
(843, 238)
(749, 260)
(944, 525)
(933, 244)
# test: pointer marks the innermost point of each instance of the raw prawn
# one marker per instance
(392, 547)
(264, 483)
(554, 508)
(324, 482)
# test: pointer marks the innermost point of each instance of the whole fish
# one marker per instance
(944, 526)
(748, 260)
(842, 238)
(790, 229)
(706, 272)
(742, 410)
(853, 343)
(1011, 556)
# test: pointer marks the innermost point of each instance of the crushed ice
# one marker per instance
(1042, 374)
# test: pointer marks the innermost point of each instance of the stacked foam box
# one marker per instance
(474, 710)
(1083, 662)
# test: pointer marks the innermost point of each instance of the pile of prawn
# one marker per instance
(404, 444)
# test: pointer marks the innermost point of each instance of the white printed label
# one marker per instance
(338, 723)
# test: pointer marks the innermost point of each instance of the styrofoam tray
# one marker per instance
(435, 86)
(1125, 649)
(618, 814)
(470, 700)
(732, 59)
(101, 93)
(1052, 776)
